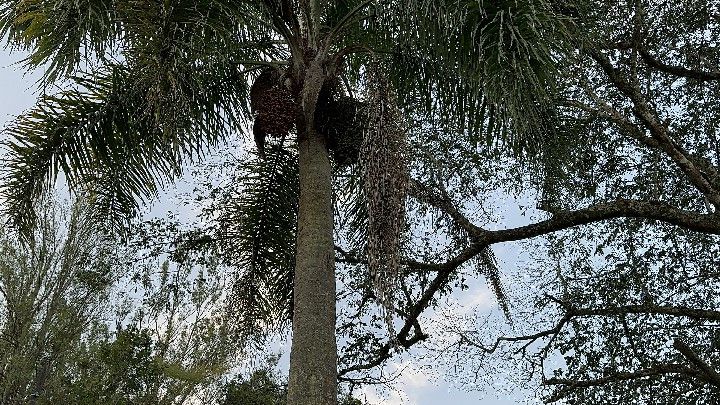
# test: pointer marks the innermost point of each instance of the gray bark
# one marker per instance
(313, 357)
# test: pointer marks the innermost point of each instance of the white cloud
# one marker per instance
(395, 397)
(406, 389)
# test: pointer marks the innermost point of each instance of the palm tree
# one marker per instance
(148, 85)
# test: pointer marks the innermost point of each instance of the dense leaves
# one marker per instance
(625, 311)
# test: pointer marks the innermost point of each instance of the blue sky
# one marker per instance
(414, 387)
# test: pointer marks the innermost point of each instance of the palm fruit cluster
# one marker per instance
(273, 107)
(341, 118)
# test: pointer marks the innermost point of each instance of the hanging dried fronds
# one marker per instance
(385, 184)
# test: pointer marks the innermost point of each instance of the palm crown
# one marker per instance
(147, 84)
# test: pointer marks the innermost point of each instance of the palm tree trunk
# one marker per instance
(313, 357)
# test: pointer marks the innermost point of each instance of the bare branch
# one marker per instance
(679, 71)
(529, 339)
(655, 370)
(622, 208)
(698, 314)
(438, 198)
(653, 62)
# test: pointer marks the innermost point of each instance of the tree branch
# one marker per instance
(530, 339)
(655, 370)
(653, 62)
(698, 314)
(659, 211)
(679, 71)
(411, 323)
(649, 117)
(707, 223)
(685, 350)
(439, 199)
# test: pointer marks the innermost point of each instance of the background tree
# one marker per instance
(625, 310)
(264, 387)
(53, 290)
(80, 324)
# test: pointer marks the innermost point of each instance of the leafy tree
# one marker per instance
(52, 292)
(170, 345)
(119, 371)
(260, 389)
(458, 100)
(264, 387)
(624, 310)
(60, 302)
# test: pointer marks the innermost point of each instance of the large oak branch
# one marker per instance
(658, 211)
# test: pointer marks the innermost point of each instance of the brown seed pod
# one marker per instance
(272, 105)
(342, 119)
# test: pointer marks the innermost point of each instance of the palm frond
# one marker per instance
(66, 36)
(351, 208)
(124, 129)
(255, 225)
(109, 137)
(60, 34)
(69, 132)
(483, 66)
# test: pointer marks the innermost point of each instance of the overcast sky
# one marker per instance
(414, 387)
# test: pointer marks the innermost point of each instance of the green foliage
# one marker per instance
(60, 298)
(120, 371)
(600, 153)
(634, 265)
(123, 128)
(254, 220)
(483, 67)
(52, 294)
(264, 387)
(105, 141)
(159, 83)
(60, 34)
(260, 389)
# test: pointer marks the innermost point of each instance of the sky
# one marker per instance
(414, 387)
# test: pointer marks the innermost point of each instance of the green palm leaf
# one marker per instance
(109, 138)
(483, 66)
(60, 33)
(125, 129)
(255, 223)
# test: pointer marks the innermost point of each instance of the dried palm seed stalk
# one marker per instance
(385, 184)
